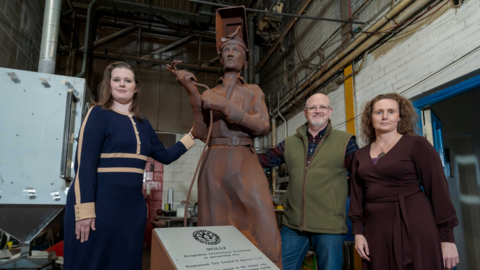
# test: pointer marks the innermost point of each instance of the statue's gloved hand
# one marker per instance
(185, 78)
(212, 101)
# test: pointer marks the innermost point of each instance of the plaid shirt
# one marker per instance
(274, 157)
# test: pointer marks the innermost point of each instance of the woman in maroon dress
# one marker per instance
(397, 225)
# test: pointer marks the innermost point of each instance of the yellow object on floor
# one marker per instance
(310, 262)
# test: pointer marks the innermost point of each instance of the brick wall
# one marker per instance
(178, 175)
(311, 35)
(153, 185)
(434, 53)
(20, 34)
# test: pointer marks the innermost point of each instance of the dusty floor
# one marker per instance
(146, 259)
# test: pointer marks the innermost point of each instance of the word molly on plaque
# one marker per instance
(205, 248)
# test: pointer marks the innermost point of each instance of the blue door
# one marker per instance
(437, 137)
(432, 130)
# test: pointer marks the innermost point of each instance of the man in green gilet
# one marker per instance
(318, 159)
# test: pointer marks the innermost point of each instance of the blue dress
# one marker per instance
(113, 149)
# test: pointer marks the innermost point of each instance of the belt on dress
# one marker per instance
(231, 141)
(401, 240)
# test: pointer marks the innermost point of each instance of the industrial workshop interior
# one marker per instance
(240, 134)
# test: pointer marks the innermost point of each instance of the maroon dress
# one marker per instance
(404, 226)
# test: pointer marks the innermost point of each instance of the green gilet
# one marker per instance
(317, 194)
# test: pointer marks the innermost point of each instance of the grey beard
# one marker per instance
(316, 124)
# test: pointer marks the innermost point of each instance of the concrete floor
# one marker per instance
(146, 258)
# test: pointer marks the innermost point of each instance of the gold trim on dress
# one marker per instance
(124, 155)
(86, 210)
(127, 114)
(134, 128)
(136, 134)
(187, 141)
(120, 169)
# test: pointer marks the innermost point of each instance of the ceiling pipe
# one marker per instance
(251, 60)
(273, 141)
(403, 11)
(122, 57)
(88, 49)
(277, 13)
(213, 61)
(108, 20)
(380, 23)
(48, 47)
(281, 116)
(112, 36)
(88, 33)
(137, 6)
(156, 28)
(172, 45)
(279, 41)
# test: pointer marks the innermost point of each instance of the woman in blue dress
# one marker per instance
(106, 214)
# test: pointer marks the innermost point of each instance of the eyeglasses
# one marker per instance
(314, 108)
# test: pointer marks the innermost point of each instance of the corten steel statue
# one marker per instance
(232, 188)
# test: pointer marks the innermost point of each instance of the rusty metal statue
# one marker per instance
(232, 188)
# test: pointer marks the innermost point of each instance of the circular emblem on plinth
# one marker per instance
(206, 237)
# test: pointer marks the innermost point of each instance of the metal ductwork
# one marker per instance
(403, 11)
(51, 24)
(251, 40)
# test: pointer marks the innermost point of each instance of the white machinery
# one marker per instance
(40, 116)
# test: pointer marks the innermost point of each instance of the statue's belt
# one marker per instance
(231, 141)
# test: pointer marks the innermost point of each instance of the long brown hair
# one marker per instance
(408, 117)
(105, 98)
